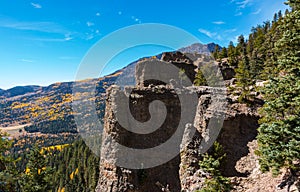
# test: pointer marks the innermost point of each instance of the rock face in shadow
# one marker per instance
(236, 133)
(215, 116)
(238, 130)
(115, 178)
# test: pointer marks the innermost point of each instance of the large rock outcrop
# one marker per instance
(237, 134)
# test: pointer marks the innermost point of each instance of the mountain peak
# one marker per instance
(199, 48)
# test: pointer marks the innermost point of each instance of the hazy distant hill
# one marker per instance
(19, 90)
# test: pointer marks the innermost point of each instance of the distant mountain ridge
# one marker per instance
(200, 48)
(19, 90)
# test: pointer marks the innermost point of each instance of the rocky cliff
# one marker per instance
(233, 126)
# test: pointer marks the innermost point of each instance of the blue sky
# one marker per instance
(44, 41)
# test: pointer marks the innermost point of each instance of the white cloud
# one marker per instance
(26, 60)
(98, 14)
(36, 5)
(256, 12)
(89, 36)
(46, 27)
(207, 33)
(243, 4)
(90, 24)
(50, 39)
(230, 30)
(136, 19)
(68, 37)
(239, 14)
(218, 22)
(212, 35)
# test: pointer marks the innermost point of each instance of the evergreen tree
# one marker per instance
(257, 53)
(256, 65)
(279, 14)
(200, 79)
(266, 27)
(243, 76)
(211, 165)
(232, 54)
(279, 132)
(250, 44)
(8, 172)
(270, 60)
(224, 53)
(216, 52)
(286, 12)
(275, 18)
(38, 176)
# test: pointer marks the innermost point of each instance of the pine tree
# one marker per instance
(38, 175)
(250, 44)
(200, 79)
(286, 12)
(216, 52)
(279, 132)
(8, 172)
(243, 76)
(224, 53)
(211, 165)
(266, 27)
(279, 14)
(270, 60)
(257, 54)
(253, 65)
(241, 47)
(275, 18)
(232, 54)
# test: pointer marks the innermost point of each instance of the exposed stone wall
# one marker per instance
(116, 179)
(179, 173)
(186, 62)
(238, 130)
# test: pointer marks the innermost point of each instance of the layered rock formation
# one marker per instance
(217, 115)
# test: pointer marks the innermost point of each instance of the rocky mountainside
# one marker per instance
(199, 48)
